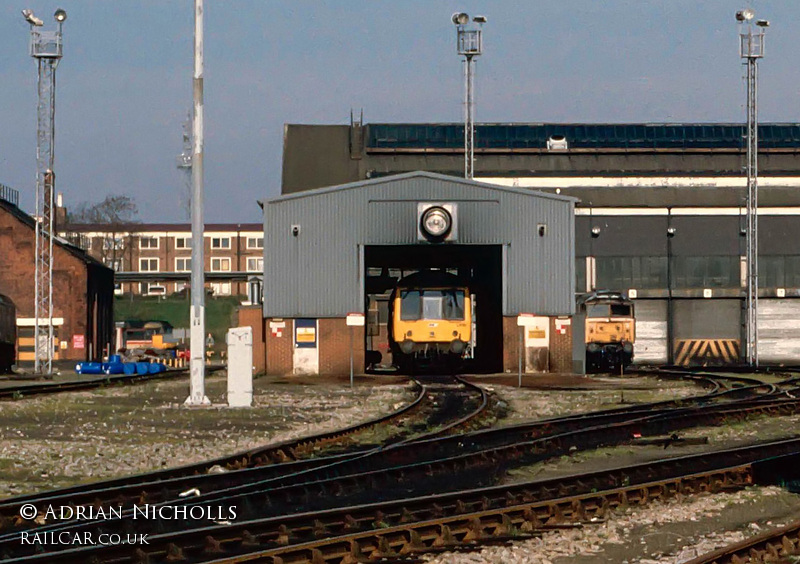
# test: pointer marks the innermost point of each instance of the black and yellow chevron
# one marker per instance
(707, 352)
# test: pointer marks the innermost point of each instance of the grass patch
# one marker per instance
(220, 312)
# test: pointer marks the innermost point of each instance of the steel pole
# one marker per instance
(351, 357)
(197, 393)
(519, 357)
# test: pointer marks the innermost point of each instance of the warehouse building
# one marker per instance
(336, 251)
(83, 289)
(660, 216)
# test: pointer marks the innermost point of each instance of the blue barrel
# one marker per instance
(156, 368)
(129, 368)
(89, 368)
(113, 368)
(142, 367)
(114, 358)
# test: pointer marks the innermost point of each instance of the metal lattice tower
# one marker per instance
(46, 48)
(751, 48)
(470, 45)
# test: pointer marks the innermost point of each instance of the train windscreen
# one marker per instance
(608, 310)
(431, 304)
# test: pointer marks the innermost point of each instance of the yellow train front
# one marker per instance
(430, 315)
(610, 331)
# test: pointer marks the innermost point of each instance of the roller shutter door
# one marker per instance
(651, 332)
(707, 332)
(779, 331)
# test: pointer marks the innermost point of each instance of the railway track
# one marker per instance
(261, 465)
(256, 501)
(167, 485)
(30, 390)
(419, 524)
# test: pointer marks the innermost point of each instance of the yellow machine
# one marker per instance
(610, 330)
(430, 320)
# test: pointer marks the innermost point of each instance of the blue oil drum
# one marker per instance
(142, 367)
(113, 368)
(89, 368)
(129, 368)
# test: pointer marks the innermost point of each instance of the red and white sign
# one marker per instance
(78, 341)
(561, 326)
(277, 327)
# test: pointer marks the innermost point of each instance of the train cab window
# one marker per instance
(432, 304)
(607, 310)
(620, 309)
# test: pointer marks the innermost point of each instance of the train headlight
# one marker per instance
(408, 333)
(457, 346)
(407, 346)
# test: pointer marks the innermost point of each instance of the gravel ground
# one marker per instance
(65, 439)
(670, 532)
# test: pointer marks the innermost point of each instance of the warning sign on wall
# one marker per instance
(78, 341)
(305, 333)
(276, 328)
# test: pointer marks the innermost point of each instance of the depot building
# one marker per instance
(335, 252)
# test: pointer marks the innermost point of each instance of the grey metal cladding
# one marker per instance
(316, 273)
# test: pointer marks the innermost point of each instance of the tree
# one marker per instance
(113, 220)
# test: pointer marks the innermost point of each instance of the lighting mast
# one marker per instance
(46, 48)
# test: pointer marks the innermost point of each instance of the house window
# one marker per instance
(183, 264)
(148, 242)
(148, 265)
(220, 242)
(115, 243)
(255, 242)
(255, 264)
(220, 265)
(183, 242)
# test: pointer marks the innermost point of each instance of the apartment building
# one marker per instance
(158, 256)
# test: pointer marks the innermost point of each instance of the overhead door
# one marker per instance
(651, 332)
(779, 331)
(707, 332)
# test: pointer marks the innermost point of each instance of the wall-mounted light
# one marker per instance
(595, 232)
(671, 231)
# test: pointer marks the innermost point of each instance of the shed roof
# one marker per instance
(419, 174)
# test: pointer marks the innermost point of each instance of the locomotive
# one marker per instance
(430, 320)
(8, 333)
(609, 331)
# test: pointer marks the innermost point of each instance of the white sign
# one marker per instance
(526, 319)
(355, 319)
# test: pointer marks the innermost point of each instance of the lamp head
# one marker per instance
(762, 23)
(595, 232)
(480, 19)
(31, 19)
(671, 231)
(745, 15)
(460, 18)
(60, 15)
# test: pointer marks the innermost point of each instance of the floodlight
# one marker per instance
(460, 18)
(31, 19)
(595, 232)
(60, 15)
(671, 231)
(745, 15)
(762, 23)
(480, 19)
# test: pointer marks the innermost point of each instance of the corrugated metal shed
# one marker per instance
(319, 272)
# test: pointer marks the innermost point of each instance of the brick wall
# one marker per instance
(560, 346)
(511, 333)
(17, 260)
(334, 341)
(250, 316)
(279, 349)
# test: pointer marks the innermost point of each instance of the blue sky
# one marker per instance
(124, 84)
